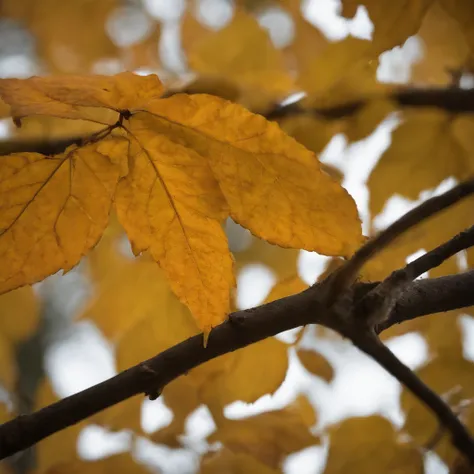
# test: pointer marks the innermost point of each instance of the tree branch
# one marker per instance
(344, 276)
(450, 99)
(461, 437)
(241, 329)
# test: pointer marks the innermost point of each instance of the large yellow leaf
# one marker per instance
(450, 376)
(64, 96)
(394, 20)
(171, 204)
(269, 437)
(425, 146)
(361, 445)
(274, 186)
(54, 209)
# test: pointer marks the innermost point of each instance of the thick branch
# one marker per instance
(241, 329)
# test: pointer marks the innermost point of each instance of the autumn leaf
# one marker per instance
(245, 54)
(171, 204)
(271, 436)
(393, 21)
(316, 363)
(425, 145)
(463, 13)
(115, 464)
(65, 96)
(54, 210)
(451, 377)
(70, 36)
(237, 463)
(19, 318)
(369, 444)
(260, 168)
(441, 57)
(345, 71)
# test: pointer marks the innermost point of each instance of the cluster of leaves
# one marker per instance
(169, 168)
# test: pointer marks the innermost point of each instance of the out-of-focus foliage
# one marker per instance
(179, 160)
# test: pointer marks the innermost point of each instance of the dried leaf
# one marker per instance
(64, 96)
(226, 461)
(271, 436)
(245, 54)
(316, 363)
(260, 168)
(54, 210)
(425, 145)
(369, 444)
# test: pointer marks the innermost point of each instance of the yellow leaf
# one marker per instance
(132, 290)
(444, 48)
(369, 444)
(64, 96)
(242, 51)
(8, 368)
(19, 314)
(54, 209)
(449, 376)
(225, 461)
(117, 464)
(246, 380)
(394, 21)
(274, 186)
(425, 145)
(171, 204)
(463, 13)
(312, 132)
(345, 71)
(316, 363)
(363, 122)
(441, 331)
(269, 437)
(69, 36)
(280, 260)
(288, 286)
(308, 41)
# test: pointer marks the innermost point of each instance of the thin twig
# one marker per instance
(346, 275)
(376, 306)
(372, 346)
